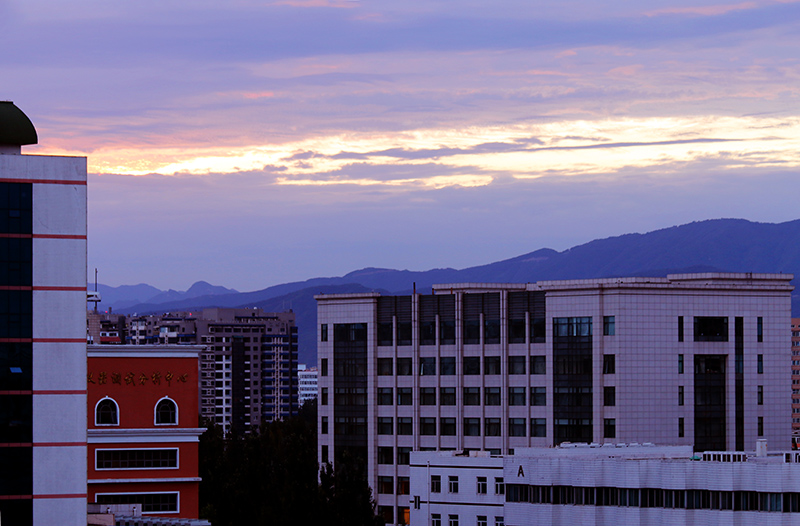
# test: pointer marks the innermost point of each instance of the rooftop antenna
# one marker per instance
(94, 297)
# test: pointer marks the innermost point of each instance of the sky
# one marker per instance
(250, 143)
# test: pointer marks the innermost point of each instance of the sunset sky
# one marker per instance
(249, 143)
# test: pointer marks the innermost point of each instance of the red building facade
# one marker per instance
(143, 430)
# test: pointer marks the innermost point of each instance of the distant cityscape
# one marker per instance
(625, 400)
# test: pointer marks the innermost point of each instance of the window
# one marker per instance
(427, 366)
(151, 502)
(482, 486)
(710, 329)
(385, 396)
(436, 484)
(680, 427)
(404, 425)
(760, 364)
(499, 487)
(166, 412)
(761, 426)
(491, 427)
(680, 395)
(323, 332)
(404, 396)
(447, 396)
(491, 365)
(385, 367)
(760, 329)
(472, 427)
(403, 515)
(324, 425)
(385, 455)
(323, 367)
(403, 486)
(106, 413)
(447, 366)
(491, 396)
(427, 333)
(386, 513)
(447, 427)
(680, 328)
(386, 485)
(436, 519)
(516, 365)
(680, 364)
(482, 520)
(472, 396)
(516, 427)
(760, 395)
(609, 396)
(608, 326)
(579, 326)
(427, 426)
(136, 458)
(538, 427)
(472, 365)
(452, 520)
(538, 396)
(452, 484)
(427, 396)
(498, 521)
(404, 367)
(385, 425)
(538, 365)
(516, 396)
(609, 428)
(324, 396)
(609, 364)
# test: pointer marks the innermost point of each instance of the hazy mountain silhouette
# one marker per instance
(728, 245)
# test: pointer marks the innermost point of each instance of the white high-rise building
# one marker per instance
(691, 359)
(307, 383)
(42, 331)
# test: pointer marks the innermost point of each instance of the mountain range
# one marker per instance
(719, 245)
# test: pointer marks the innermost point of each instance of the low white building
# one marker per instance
(609, 484)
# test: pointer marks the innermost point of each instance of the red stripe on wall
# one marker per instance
(44, 236)
(42, 181)
(16, 497)
(58, 236)
(13, 287)
(16, 444)
(7, 393)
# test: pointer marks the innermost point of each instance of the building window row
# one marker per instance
(167, 502)
(452, 520)
(106, 412)
(471, 366)
(136, 458)
(692, 499)
(517, 427)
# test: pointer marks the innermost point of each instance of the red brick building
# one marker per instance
(143, 430)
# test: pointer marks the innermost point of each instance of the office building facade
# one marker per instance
(694, 359)
(42, 331)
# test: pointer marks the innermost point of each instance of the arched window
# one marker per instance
(166, 412)
(106, 413)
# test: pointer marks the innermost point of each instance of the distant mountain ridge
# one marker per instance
(719, 245)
